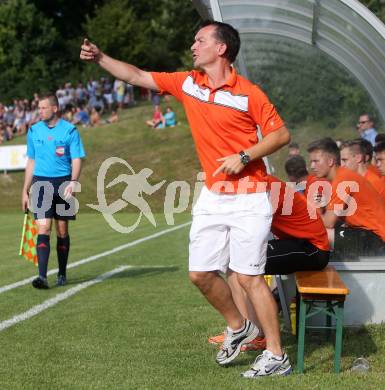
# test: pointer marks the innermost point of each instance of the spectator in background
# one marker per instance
(96, 101)
(354, 156)
(19, 122)
(95, 119)
(80, 95)
(70, 96)
(113, 118)
(81, 117)
(60, 94)
(107, 92)
(380, 157)
(2, 133)
(365, 127)
(129, 98)
(2, 111)
(293, 149)
(36, 99)
(157, 121)
(119, 91)
(155, 98)
(34, 113)
(9, 119)
(145, 94)
(353, 202)
(169, 117)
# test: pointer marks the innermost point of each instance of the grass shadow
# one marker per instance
(129, 273)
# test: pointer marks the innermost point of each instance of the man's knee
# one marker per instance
(62, 228)
(249, 282)
(202, 279)
(44, 226)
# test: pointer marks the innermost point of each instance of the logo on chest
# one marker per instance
(59, 151)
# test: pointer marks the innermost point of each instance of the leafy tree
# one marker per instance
(377, 7)
(28, 57)
(151, 34)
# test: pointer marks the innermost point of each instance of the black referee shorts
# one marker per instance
(47, 195)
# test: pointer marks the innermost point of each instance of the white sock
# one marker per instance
(279, 357)
(238, 330)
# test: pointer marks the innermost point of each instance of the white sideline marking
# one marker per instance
(58, 298)
(96, 257)
(68, 293)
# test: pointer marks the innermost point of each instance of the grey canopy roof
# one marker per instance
(343, 29)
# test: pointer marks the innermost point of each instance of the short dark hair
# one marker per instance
(380, 147)
(359, 146)
(327, 145)
(367, 149)
(370, 117)
(296, 166)
(380, 137)
(228, 35)
(51, 97)
(294, 145)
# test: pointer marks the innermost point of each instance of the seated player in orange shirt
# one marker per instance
(355, 209)
(301, 244)
(380, 158)
(357, 156)
(309, 185)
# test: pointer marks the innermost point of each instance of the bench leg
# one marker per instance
(339, 326)
(328, 320)
(301, 336)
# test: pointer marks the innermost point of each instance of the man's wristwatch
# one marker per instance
(245, 158)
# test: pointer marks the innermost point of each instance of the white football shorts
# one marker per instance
(230, 231)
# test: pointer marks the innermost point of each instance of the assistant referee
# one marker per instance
(54, 151)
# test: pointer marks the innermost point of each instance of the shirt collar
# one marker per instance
(202, 79)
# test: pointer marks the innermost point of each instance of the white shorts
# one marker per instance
(230, 231)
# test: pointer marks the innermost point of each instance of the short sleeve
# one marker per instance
(76, 145)
(263, 112)
(30, 145)
(170, 83)
(340, 194)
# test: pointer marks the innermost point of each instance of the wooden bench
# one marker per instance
(320, 292)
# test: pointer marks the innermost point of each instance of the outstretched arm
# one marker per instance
(119, 69)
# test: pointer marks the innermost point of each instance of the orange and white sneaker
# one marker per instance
(259, 343)
(218, 339)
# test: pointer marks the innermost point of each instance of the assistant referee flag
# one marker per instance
(28, 239)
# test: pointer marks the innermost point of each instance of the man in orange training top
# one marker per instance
(355, 156)
(355, 212)
(380, 157)
(232, 217)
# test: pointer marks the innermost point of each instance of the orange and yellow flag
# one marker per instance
(28, 239)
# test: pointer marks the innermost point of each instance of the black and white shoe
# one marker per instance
(267, 364)
(40, 283)
(231, 347)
